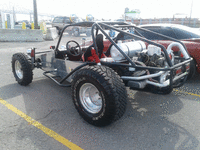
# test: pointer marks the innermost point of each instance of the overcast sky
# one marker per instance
(108, 9)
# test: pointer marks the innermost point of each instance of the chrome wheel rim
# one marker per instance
(18, 69)
(90, 98)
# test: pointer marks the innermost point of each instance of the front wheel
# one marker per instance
(99, 95)
(21, 67)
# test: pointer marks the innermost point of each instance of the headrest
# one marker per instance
(99, 41)
(120, 36)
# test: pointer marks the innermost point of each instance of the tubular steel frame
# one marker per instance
(98, 26)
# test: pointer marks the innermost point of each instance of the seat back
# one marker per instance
(100, 46)
(99, 41)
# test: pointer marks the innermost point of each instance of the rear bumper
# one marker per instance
(175, 73)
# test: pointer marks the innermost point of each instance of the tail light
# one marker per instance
(178, 70)
(187, 66)
(32, 52)
(181, 55)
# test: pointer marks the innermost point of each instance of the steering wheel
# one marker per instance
(73, 50)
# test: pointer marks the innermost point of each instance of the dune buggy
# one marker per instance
(99, 88)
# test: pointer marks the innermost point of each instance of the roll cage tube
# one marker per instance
(161, 35)
(75, 24)
(119, 64)
(143, 68)
(98, 25)
(61, 37)
(166, 37)
(141, 38)
(95, 45)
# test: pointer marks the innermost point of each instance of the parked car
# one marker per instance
(189, 36)
(176, 31)
(61, 21)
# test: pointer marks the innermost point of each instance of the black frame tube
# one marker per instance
(144, 68)
(77, 68)
(94, 41)
(61, 34)
(143, 39)
(64, 85)
(161, 35)
(67, 76)
(166, 37)
(98, 27)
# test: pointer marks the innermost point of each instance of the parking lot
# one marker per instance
(42, 116)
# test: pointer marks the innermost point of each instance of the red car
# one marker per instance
(189, 36)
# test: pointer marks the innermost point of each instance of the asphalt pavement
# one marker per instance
(41, 116)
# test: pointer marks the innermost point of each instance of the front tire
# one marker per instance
(99, 95)
(21, 68)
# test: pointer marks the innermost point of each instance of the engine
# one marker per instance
(129, 48)
(153, 57)
(137, 51)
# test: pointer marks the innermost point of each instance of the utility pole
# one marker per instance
(14, 16)
(35, 15)
(191, 12)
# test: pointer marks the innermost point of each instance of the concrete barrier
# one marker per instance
(43, 27)
(19, 35)
(51, 34)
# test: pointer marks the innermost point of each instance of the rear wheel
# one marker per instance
(163, 90)
(99, 95)
(21, 67)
